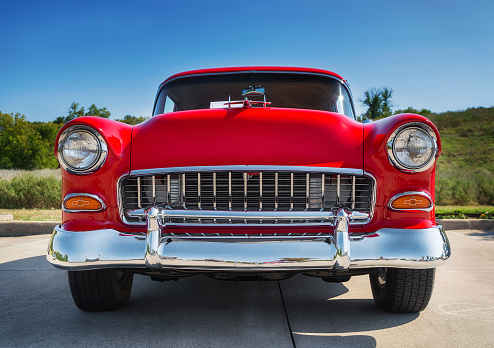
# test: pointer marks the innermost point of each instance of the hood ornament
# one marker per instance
(251, 91)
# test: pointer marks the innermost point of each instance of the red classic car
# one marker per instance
(250, 173)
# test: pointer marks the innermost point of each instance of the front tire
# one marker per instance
(399, 290)
(101, 289)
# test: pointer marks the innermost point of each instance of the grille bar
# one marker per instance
(229, 190)
(139, 192)
(260, 191)
(338, 189)
(199, 190)
(247, 191)
(353, 192)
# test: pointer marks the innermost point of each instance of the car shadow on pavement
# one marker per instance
(481, 235)
(336, 314)
(37, 308)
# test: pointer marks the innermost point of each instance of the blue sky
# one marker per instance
(434, 54)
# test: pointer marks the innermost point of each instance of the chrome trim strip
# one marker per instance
(254, 225)
(374, 195)
(289, 72)
(415, 193)
(67, 197)
(249, 215)
(120, 198)
(167, 214)
(247, 168)
(245, 238)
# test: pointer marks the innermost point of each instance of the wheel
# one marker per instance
(400, 290)
(101, 289)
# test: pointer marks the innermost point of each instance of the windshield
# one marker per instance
(282, 90)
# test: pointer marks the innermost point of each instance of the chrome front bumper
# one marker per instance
(340, 251)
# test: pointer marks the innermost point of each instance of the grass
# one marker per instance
(34, 214)
(9, 174)
(442, 212)
(465, 212)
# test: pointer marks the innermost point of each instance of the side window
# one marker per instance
(169, 105)
(160, 104)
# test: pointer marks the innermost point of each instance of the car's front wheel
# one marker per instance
(101, 289)
(401, 290)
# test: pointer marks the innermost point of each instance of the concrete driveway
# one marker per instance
(36, 308)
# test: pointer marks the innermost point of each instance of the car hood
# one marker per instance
(250, 136)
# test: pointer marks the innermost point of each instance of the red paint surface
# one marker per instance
(252, 69)
(270, 136)
(103, 182)
(391, 180)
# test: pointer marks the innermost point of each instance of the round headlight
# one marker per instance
(81, 149)
(412, 148)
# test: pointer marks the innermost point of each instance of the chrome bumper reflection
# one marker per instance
(417, 248)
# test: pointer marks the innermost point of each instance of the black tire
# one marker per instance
(399, 290)
(101, 289)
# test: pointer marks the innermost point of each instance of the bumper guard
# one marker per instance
(339, 251)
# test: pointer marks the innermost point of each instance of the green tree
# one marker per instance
(22, 146)
(411, 110)
(75, 111)
(48, 132)
(378, 102)
(94, 111)
(132, 120)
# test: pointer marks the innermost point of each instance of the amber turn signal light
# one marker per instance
(82, 202)
(411, 202)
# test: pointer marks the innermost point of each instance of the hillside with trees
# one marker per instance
(465, 170)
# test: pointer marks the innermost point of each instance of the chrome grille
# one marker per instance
(247, 191)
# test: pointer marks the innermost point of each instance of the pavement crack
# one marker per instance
(286, 316)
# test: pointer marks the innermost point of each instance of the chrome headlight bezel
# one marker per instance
(391, 147)
(95, 164)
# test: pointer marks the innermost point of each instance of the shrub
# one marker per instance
(30, 192)
(458, 187)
